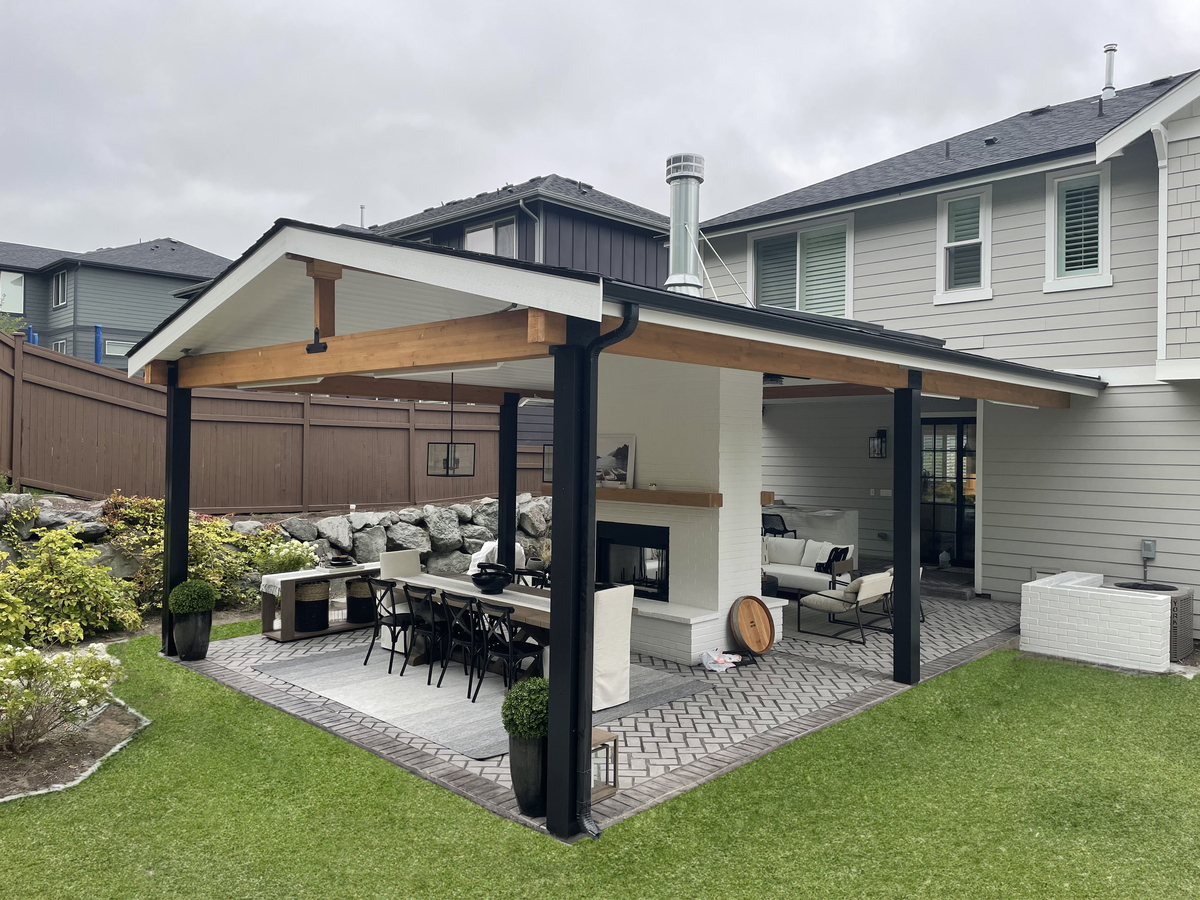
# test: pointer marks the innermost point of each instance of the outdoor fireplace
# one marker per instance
(634, 554)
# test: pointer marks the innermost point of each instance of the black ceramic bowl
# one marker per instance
(340, 561)
(491, 578)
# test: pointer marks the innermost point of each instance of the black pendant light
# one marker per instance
(451, 460)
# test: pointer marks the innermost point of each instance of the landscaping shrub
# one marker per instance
(192, 596)
(65, 598)
(38, 693)
(526, 709)
(272, 557)
(12, 618)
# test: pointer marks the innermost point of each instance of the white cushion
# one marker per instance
(797, 578)
(784, 551)
(814, 553)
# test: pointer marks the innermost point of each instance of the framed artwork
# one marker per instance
(615, 460)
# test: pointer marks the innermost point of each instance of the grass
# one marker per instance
(1007, 778)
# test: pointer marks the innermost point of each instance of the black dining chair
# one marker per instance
(463, 632)
(773, 524)
(429, 622)
(396, 618)
(500, 643)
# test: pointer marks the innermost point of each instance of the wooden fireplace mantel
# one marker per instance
(700, 499)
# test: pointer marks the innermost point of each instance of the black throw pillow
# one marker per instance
(837, 554)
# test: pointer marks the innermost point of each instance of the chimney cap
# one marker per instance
(685, 165)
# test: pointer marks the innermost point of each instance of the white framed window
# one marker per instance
(58, 346)
(12, 293)
(117, 348)
(1078, 204)
(496, 238)
(58, 290)
(964, 246)
(809, 270)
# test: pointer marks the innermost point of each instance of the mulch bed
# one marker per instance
(64, 756)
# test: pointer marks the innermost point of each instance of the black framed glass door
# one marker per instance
(948, 490)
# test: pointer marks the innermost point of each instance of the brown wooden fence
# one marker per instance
(76, 428)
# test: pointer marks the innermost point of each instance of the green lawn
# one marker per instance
(1007, 778)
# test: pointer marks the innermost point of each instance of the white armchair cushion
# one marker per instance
(784, 551)
(814, 553)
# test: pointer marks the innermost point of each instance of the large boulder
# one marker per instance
(322, 548)
(403, 536)
(442, 525)
(92, 531)
(360, 520)
(122, 565)
(369, 543)
(474, 537)
(532, 520)
(5, 506)
(411, 515)
(49, 517)
(300, 529)
(487, 514)
(452, 563)
(531, 545)
(251, 581)
(463, 511)
(336, 530)
(524, 498)
(248, 526)
(7, 554)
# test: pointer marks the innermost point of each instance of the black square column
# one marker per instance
(178, 497)
(506, 531)
(572, 585)
(906, 507)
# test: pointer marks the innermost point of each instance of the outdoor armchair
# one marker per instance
(853, 596)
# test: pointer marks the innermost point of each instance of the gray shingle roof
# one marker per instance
(23, 256)
(1043, 133)
(161, 255)
(550, 187)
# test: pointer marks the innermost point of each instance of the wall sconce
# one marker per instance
(877, 445)
(547, 464)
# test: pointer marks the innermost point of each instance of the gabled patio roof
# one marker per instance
(407, 314)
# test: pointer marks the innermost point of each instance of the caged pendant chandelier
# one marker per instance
(451, 460)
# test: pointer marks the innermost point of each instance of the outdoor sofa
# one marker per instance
(794, 561)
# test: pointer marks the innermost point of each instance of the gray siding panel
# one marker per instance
(126, 300)
(593, 244)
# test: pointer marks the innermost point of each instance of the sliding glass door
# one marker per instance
(948, 490)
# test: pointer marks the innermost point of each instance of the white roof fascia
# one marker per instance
(1154, 114)
(912, 361)
(503, 284)
(967, 181)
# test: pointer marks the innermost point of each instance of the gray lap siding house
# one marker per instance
(1057, 489)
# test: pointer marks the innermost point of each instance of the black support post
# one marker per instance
(572, 587)
(506, 531)
(178, 497)
(906, 506)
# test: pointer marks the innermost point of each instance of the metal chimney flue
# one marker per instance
(1110, 56)
(685, 174)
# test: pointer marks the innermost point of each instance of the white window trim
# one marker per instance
(59, 301)
(1055, 283)
(109, 343)
(799, 229)
(941, 296)
(58, 346)
(492, 225)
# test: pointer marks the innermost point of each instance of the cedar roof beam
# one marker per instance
(430, 346)
(323, 274)
(801, 391)
(405, 389)
(952, 385)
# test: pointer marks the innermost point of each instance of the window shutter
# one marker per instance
(963, 222)
(1079, 227)
(823, 275)
(775, 282)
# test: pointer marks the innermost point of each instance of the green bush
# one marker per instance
(64, 597)
(38, 693)
(526, 709)
(12, 618)
(192, 596)
(270, 558)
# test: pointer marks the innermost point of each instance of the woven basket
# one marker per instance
(312, 590)
(358, 588)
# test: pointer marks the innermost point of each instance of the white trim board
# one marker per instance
(1178, 370)
(1160, 110)
(1055, 282)
(942, 296)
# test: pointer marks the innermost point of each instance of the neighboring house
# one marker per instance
(553, 220)
(127, 291)
(1066, 237)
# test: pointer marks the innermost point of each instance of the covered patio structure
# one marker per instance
(311, 309)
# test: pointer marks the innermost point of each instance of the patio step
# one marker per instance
(945, 591)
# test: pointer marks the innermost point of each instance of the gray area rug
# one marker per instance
(445, 715)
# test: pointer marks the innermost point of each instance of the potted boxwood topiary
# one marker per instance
(526, 718)
(192, 604)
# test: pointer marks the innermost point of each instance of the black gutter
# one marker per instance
(858, 335)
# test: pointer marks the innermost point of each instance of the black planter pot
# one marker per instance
(527, 765)
(191, 631)
(360, 610)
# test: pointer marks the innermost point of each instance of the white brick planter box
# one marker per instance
(1074, 616)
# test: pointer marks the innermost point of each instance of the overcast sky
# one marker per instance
(207, 121)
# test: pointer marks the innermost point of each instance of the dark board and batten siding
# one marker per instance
(593, 244)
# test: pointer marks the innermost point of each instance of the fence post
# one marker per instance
(305, 456)
(18, 392)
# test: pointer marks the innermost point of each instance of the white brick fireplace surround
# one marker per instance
(1074, 616)
(698, 428)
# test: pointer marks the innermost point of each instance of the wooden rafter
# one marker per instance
(801, 391)
(324, 276)
(405, 389)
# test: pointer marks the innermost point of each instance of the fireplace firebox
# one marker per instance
(634, 554)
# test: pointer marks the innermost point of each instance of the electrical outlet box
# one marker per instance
(1149, 549)
(886, 492)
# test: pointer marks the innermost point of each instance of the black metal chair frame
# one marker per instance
(887, 613)
(428, 622)
(850, 626)
(462, 630)
(769, 526)
(387, 616)
(498, 644)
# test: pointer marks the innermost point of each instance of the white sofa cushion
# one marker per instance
(797, 578)
(784, 551)
(815, 552)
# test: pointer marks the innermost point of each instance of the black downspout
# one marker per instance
(906, 506)
(506, 529)
(178, 497)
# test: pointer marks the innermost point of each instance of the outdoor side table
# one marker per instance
(609, 743)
